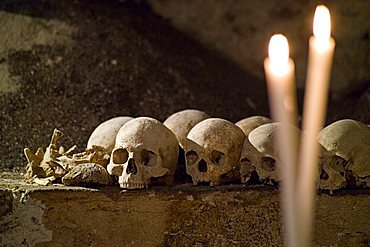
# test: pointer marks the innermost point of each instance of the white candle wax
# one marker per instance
(279, 71)
(321, 50)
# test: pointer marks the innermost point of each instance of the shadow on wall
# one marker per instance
(241, 31)
(72, 65)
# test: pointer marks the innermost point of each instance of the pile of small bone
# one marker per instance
(55, 163)
(136, 152)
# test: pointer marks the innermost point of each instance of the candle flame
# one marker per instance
(321, 23)
(279, 54)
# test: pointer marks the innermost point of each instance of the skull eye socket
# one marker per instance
(339, 163)
(217, 158)
(268, 164)
(119, 156)
(191, 157)
(148, 158)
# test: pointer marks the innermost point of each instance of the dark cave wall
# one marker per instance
(241, 31)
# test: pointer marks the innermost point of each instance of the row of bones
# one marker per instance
(217, 151)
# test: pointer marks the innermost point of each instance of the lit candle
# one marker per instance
(321, 50)
(279, 71)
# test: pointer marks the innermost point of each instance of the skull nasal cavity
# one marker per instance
(202, 166)
(131, 168)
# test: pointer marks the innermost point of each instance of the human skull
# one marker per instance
(350, 140)
(250, 123)
(332, 171)
(180, 123)
(144, 149)
(213, 150)
(250, 157)
(263, 138)
(105, 134)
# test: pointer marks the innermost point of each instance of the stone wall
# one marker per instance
(169, 216)
(241, 31)
(72, 65)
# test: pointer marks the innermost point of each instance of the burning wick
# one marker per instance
(279, 55)
(321, 28)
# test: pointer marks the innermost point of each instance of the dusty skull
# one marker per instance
(144, 149)
(250, 123)
(213, 151)
(250, 158)
(332, 171)
(180, 123)
(350, 140)
(105, 134)
(263, 138)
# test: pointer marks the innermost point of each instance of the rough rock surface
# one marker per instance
(241, 30)
(170, 216)
(112, 59)
(87, 174)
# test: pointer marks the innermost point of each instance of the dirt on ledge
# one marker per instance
(183, 215)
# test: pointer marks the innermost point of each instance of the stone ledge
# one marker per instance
(182, 215)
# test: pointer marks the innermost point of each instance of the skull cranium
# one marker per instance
(263, 139)
(213, 151)
(350, 140)
(144, 149)
(180, 123)
(250, 157)
(105, 134)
